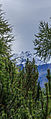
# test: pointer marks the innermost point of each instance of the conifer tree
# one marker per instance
(31, 77)
(42, 41)
(38, 91)
(46, 85)
(49, 80)
(6, 36)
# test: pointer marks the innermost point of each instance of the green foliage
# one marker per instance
(24, 113)
(20, 94)
(31, 76)
(49, 80)
(42, 42)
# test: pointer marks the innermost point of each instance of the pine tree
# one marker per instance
(42, 42)
(46, 85)
(49, 80)
(6, 36)
(38, 91)
(6, 72)
(31, 77)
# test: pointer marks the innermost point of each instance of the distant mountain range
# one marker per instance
(42, 67)
(22, 57)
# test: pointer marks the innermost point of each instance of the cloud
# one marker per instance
(25, 16)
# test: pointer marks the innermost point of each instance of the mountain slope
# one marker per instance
(42, 67)
(22, 57)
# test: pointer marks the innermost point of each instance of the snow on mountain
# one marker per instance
(22, 57)
(42, 67)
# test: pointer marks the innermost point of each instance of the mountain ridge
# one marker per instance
(22, 57)
(42, 67)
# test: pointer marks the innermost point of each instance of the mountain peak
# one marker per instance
(22, 57)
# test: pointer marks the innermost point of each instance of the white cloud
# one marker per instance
(25, 16)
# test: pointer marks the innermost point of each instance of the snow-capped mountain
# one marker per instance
(22, 57)
(42, 67)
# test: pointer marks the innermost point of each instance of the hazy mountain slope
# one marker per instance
(22, 57)
(42, 67)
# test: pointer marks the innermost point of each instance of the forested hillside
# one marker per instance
(21, 97)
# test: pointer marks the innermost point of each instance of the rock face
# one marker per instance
(42, 67)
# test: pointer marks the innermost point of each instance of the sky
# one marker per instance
(25, 16)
